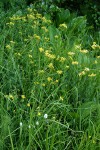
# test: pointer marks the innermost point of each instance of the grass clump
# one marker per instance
(49, 84)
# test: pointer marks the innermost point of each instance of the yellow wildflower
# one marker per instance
(89, 136)
(51, 66)
(39, 114)
(78, 46)
(47, 53)
(41, 49)
(56, 81)
(11, 96)
(11, 23)
(39, 16)
(54, 118)
(95, 62)
(92, 75)
(43, 84)
(86, 69)
(29, 9)
(36, 83)
(62, 59)
(56, 36)
(23, 96)
(84, 51)
(67, 66)
(41, 71)
(8, 46)
(52, 56)
(36, 37)
(61, 98)
(49, 79)
(94, 142)
(59, 71)
(94, 43)
(94, 46)
(30, 16)
(47, 39)
(18, 54)
(44, 28)
(23, 18)
(82, 73)
(30, 56)
(75, 63)
(28, 104)
(12, 42)
(71, 53)
(44, 19)
(63, 26)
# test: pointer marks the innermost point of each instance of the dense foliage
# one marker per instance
(82, 7)
(49, 80)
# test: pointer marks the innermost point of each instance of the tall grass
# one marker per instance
(49, 84)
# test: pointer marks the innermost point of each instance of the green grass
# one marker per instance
(49, 89)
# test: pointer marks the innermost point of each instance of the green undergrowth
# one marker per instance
(49, 83)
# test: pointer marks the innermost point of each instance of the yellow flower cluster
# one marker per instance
(28, 104)
(47, 39)
(63, 26)
(84, 51)
(51, 56)
(23, 96)
(78, 47)
(74, 62)
(37, 37)
(12, 42)
(94, 46)
(30, 56)
(61, 98)
(18, 54)
(71, 53)
(36, 83)
(51, 66)
(31, 16)
(44, 28)
(59, 72)
(92, 75)
(56, 36)
(61, 59)
(41, 71)
(8, 46)
(84, 71)
(41, 49)
(49, 79)
(46, 20)
(11, 96)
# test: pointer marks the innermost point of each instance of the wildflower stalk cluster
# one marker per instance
(49, 85)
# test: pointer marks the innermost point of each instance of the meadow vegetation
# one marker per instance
(49, 82)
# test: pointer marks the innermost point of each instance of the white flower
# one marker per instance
(21, 124)
(37, 123)
(45, 116)
(29, 126)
